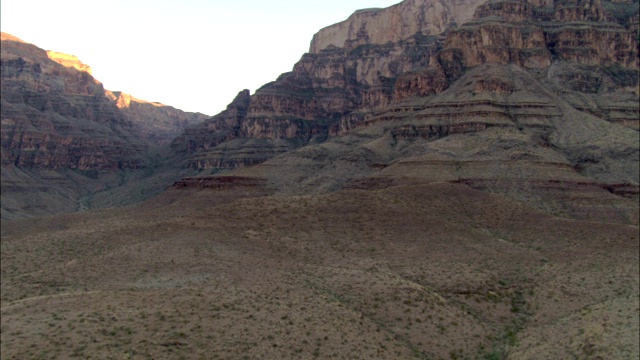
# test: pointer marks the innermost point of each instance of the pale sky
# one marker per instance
(194, 55)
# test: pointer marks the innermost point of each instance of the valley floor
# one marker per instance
(438, 271)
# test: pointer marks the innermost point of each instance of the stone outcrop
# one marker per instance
(417, 71)
(55, 115)
(528, 103)
(575, 43)
(316, 100)
(517, 32)
(236, 138)
(489, 95)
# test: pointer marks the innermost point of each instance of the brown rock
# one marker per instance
(56, 116)
(67, 60)
(58, 122)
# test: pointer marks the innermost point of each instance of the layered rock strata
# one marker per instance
(219, 182)
(55, 116)
(383, 62)
(64, 138)
(533, 101)
(394, 24)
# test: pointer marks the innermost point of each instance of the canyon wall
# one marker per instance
(378, 59)
(64, 137)
(56, 116)
(394, 24)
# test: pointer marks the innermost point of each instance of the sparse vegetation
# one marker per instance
(233, 287)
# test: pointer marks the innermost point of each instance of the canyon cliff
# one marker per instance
(398, 59)
(534, 103)
(55, 115)
(64, 134)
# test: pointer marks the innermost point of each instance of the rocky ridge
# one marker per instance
(68, 60)
(394, 24)
(65, 137)
(356, 73)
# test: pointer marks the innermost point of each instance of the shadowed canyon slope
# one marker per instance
(64, 137)
(434, 180)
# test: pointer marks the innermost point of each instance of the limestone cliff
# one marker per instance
(394, 24)
(588, 60)
(325, 94)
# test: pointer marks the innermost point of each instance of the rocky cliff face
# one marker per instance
(379, 59)
(472, 194)
(57, 119)
(394, 24)
(227, 140)
(326, 93)
(419, 69)
(535, 37)
(56, 116)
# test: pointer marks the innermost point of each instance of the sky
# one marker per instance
(195, 55)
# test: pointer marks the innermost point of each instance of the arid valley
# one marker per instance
(462, 185)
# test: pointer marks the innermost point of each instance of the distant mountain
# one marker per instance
(57, 118)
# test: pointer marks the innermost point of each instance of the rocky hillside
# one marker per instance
(396, 60)
(57, 118)
(535, 102)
